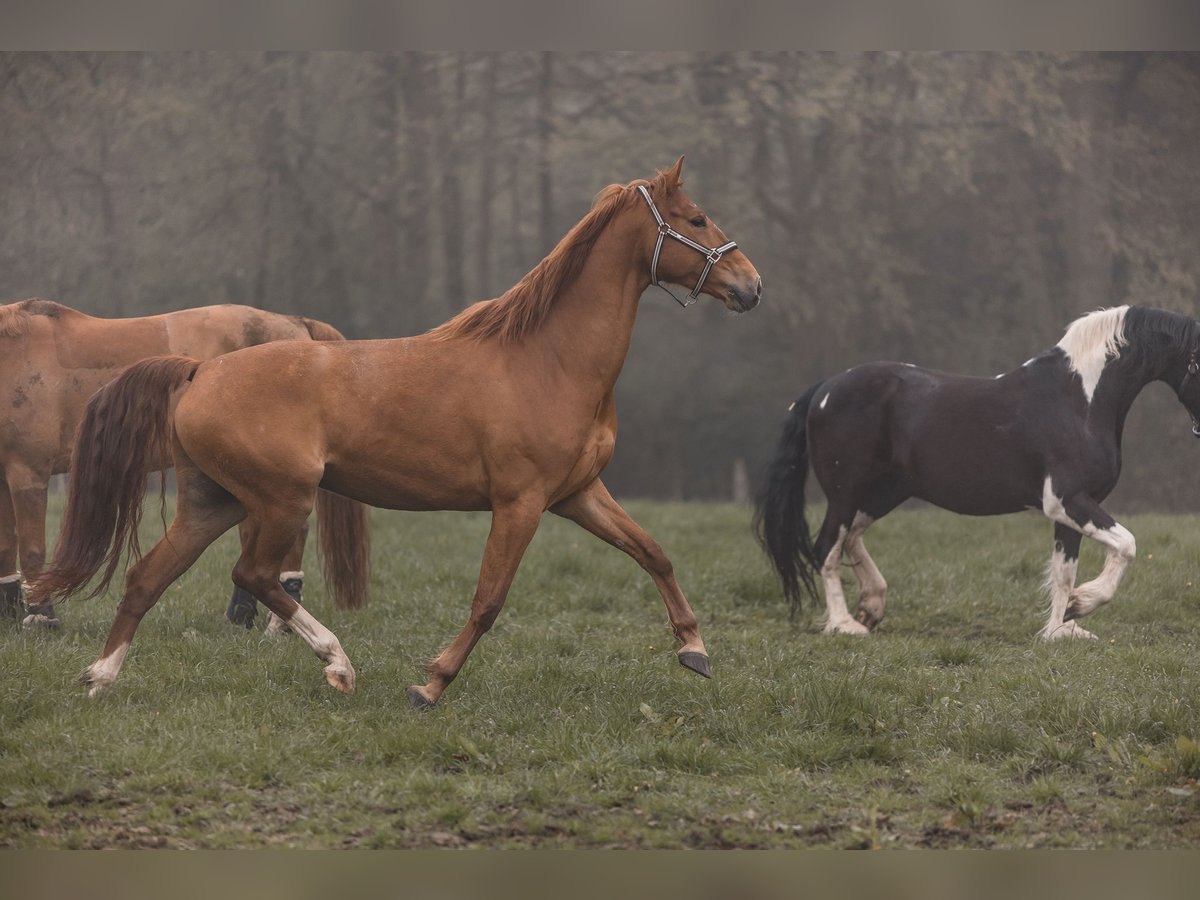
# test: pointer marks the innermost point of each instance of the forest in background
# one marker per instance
(954, 210)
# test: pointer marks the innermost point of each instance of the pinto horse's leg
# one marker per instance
(830, 544)
(872, 588)
(1060, 580)
(1081, 513)
(594, 509)
(194, 527)
(513, 526)
(268, 538)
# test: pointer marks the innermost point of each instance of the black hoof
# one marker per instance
(294, 587)
(417, 700)
(11, 604)
(242, 608)
(697, 662)
(1071, 614)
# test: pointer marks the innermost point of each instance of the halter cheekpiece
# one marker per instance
(712, 254)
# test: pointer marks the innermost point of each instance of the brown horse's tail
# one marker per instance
(125, 434)
(345, 548)
(321, 331)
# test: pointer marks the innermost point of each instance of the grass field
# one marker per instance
(572, 725)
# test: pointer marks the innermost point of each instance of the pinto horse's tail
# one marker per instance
(125, 435)
(779, 514)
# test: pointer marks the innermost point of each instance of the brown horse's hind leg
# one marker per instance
(11, 604)
(594, 509)
(28, 490)
(269, 536)
(513, 527)
(204, 513)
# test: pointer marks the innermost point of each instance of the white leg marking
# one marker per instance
(325, 644)
(1122, 548)
(103, 672)
(9, 579)
(872, 588)
(275, 625)
(1060, 579)
(837, 616)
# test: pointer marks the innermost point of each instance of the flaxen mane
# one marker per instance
(14, 317)
(523, 308)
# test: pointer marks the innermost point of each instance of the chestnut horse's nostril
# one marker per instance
(758, 290)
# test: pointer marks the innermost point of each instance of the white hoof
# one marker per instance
(846, 626)
(1067, 630)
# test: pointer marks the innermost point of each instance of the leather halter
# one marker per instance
(712, 254)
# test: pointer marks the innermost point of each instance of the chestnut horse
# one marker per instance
(507, 407)
(52, 359)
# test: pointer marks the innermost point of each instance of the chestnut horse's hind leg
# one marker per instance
(594, 509)
(243, 608)
(513, 527)
(292, 579)
(189, 534)
(269, 536)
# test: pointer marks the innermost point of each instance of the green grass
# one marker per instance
(572, 724)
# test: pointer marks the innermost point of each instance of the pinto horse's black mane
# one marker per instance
(1180, 331)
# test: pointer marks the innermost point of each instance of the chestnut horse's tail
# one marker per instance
(321, 331)
(345, 548)
(779, 518)
(125, 435)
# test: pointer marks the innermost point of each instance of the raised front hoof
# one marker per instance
(340, 678)
(847, 626)
(42, 621)
(697, 662)
(867, 620)
(417, 698)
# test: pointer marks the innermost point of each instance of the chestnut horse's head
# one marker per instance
(691, 250)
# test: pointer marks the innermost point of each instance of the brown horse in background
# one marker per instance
(507, 407)
(52, 360)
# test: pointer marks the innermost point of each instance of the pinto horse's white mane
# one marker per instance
(1091, 341)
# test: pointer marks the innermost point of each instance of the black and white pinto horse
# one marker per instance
(1046, 436)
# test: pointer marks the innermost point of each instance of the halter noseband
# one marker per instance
(712, 255)
(1192, 368)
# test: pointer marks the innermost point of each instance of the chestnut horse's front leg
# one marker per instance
(513, 526)
(594, 509)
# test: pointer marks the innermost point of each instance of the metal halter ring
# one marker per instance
(712, 254)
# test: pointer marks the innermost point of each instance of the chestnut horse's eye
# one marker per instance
(698, 221)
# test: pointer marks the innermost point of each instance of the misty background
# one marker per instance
(954, 210)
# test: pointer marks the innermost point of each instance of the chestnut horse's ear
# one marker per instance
(673, 177)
